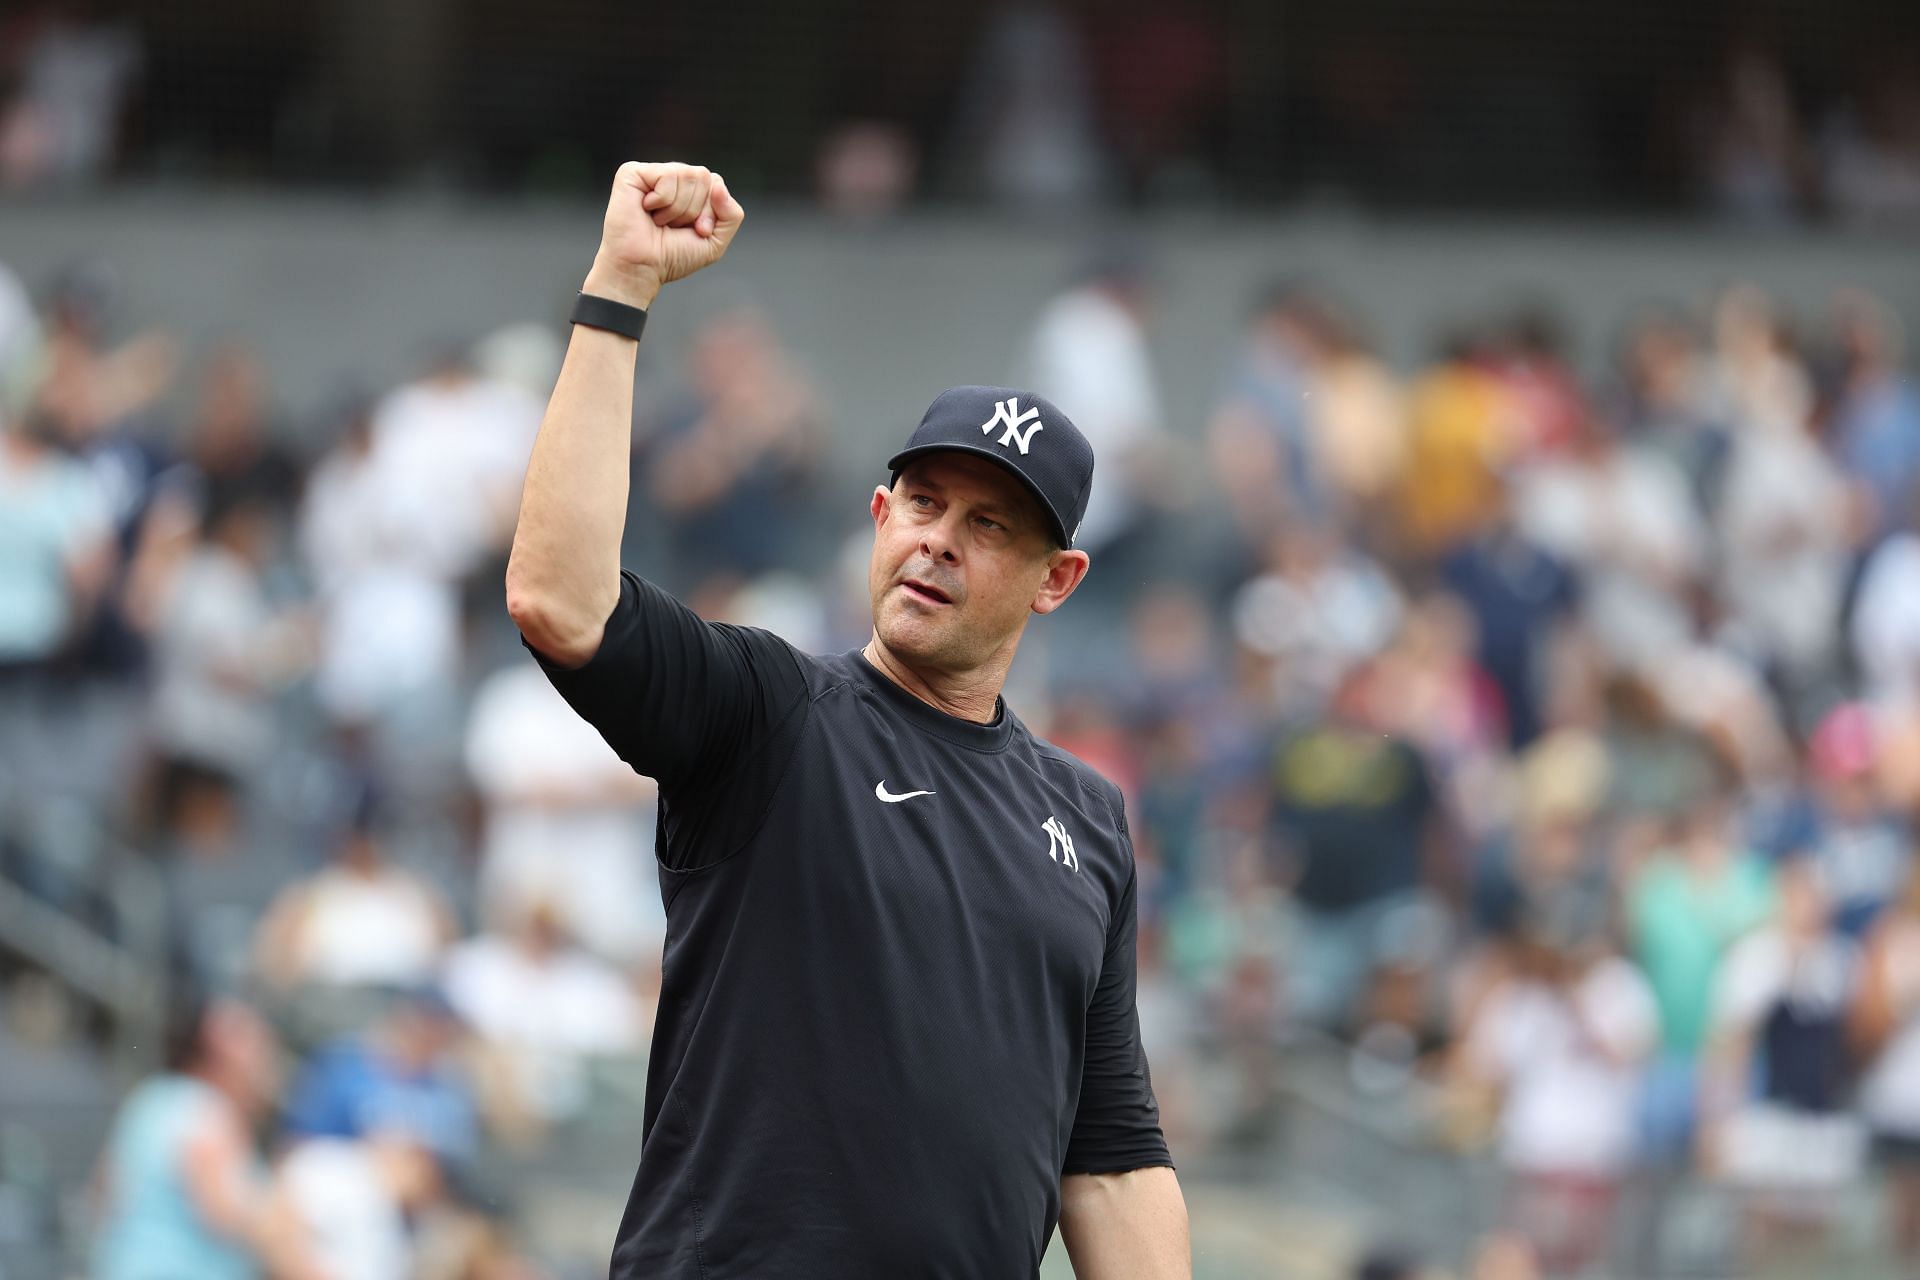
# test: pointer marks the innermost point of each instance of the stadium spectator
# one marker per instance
(1321, 608)
(389, 629)
(1777, 1124)
(1358, 421)
(1259, 441)
(1886, 1037)
(339, 532)
(181, 1188)
(1310, 427)
(58, 549)
(1665, 399)
(351, 1204)
(1757, 381)
(1658, 766)
(231, 439)
(1549, 860)
(1430, 693)
(1560, 1040)
(406, 521)
(222, 649)
(102, 404)
(566, 820)
(1522, 600)
(1549, 404)
(449, 449)
(1461, 434)
(541, 1007)
(1862, 847)
(1356, 824)
(1783, 549)
(1622, 517)
(729, 467)
(404, 1073)
(1876, 421)
(358, 922)
(1089, 354)
(1686, 906)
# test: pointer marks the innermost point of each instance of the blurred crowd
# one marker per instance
(1765, 115)
(1546, 739)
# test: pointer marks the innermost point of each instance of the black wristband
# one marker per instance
(604, 313)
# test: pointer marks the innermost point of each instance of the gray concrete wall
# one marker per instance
(883, 316)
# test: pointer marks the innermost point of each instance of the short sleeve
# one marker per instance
(1117, 1124)
(678, 698)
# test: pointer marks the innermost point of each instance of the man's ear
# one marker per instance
(882, 503)
(1066, 570)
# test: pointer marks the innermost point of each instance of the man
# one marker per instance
(897, 1032)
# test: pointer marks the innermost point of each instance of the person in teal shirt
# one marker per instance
(182, 1189)
(1685, 907)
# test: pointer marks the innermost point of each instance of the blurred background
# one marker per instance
(1505, 621)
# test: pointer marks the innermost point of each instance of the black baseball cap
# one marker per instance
(1023, 432)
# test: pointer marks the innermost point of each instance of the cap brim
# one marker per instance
(901, 459)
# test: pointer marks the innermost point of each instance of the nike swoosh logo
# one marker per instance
(885, 796)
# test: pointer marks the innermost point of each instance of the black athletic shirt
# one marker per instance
(898, 995)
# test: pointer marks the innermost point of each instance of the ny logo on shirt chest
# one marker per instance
(1059, 843)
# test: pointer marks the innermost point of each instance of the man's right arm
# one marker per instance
(663, 222)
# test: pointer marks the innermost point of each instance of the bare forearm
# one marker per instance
(663, 222)
(1126, 1226)
(564, 575)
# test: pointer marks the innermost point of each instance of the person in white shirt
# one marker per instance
(1561, 1041)
(1089, 355)
(567, 821)
(1885, 627)
(351, 1199)
(389, 625)
(416, 498)
(1622, 515)
(543, 1006)
(450, 450)
(221, 650)
(359, 922)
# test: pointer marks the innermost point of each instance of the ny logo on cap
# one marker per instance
(1008, 411)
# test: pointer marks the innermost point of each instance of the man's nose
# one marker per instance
(941, 542)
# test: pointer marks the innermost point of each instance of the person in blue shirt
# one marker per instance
(399, 1076)
(181, 1188)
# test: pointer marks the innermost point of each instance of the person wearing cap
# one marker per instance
(897, 1032)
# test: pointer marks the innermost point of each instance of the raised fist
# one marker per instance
(664, 221)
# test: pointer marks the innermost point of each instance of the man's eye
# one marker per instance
(993, 526)
(921, 500)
